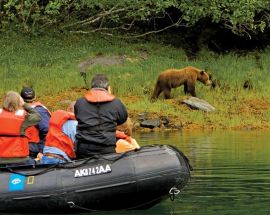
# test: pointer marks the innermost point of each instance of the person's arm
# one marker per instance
(122, 113)
(32, 118)
(69, 129)
(43, 125)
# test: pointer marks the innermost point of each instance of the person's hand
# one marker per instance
(109, 90)
(39, 156)
(21, 101)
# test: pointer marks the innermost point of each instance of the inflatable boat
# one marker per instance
(133, 180)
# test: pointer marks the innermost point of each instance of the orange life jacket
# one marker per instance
(32, 132)
(125, 143)
(12, 145)
(98, 95)
(56, 137)
(122, 135)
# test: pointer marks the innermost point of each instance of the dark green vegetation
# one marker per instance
(241, 17)
(219, 25)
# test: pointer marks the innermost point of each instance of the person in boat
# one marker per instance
(37, 133)
(98, 113)
(59, 144)
(125, 142)
(16, 117)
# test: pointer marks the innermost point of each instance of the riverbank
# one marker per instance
(238, 113)
(54, 65)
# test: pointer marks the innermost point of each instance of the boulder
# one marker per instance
(199, 104)
(150, 123)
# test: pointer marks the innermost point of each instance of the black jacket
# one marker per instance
(98, 114)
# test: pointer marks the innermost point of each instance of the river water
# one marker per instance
(231, 173)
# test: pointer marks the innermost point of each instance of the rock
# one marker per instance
(197, 103)
(150, 123)
(100, 60)
(165, 120)
(143, 116)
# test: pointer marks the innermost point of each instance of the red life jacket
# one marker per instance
(98, 95)
(122, 135)
(56, 137)
(32, 132)
(12, 145)
(125, 142)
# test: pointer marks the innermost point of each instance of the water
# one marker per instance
(231, 173)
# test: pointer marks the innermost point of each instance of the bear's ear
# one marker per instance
(202, 72)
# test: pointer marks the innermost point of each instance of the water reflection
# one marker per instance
(231, 172)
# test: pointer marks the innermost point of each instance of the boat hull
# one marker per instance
(131, 180)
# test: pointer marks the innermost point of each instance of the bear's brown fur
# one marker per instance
(173, 78)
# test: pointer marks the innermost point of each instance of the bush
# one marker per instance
(242, 17)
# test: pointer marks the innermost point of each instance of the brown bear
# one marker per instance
(173, 78)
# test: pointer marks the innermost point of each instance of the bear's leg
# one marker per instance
(167, 93)
(191, 90)
(156, 92)
(185, 88)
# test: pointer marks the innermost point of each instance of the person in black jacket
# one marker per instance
(98, 113)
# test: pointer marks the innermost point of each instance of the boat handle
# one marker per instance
(173, 192)
(71, 204)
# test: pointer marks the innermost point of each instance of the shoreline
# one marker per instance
(185, 119)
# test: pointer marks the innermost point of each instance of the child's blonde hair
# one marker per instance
(11, 101)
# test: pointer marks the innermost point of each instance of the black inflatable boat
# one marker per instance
(133, 180)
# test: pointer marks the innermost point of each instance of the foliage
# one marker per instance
(242, 16)
(80, 14)
(87, 16)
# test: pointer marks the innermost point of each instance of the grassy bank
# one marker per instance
(50, 65)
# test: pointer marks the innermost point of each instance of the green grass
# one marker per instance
(49, 63)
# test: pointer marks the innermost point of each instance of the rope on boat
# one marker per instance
(73, 205)
(9, 169)
(70, 165)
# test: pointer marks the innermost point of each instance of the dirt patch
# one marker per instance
(62, 100)
(255, 107)
(130, 99)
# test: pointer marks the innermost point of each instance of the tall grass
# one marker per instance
(49, 63)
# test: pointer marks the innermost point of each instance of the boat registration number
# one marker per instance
(95, 170)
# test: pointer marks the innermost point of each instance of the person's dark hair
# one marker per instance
(28, 94)
(100, 81)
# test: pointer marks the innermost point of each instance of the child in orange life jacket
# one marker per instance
(59, 145)
(124, 141)
(16, 117)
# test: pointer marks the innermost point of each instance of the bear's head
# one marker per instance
(204, 77)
